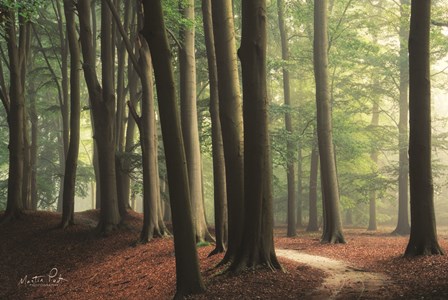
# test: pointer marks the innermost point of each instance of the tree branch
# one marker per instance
(439, 23)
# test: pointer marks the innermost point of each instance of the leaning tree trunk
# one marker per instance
(219, 172)
(188, 277)
(288, 124)
(68, 199)
(423, 238)
(231, 116)
(333, 227)
(257, 244)
(103, 110)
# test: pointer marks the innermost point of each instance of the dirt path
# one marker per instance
(343, 281)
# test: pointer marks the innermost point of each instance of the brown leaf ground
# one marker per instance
(110, 268)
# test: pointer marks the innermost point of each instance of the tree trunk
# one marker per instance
(299, 216)
(257, 244)
(33, 150)
(423, 238)
(374, 158)
(291, 232)
(333, 227)
(219, 172)
(189, 119)
(146, 125)
(188, 277)
(68, 202)
(231, 116)
(103, 110)
(15, 115)
(313, 224)
(403, 188)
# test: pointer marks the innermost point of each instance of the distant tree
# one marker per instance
(219, 171)
(291, 231)
(231, 116)
(403, 175)
(188, 277)
(374, 158)
(257, 244)
(68, 200)
(423, 238)
(332, 232)
(313, 224)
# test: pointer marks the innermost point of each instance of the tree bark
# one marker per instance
(291, 231)
(333, 228)
(68, 201)
(231, 116)
(257, 244)
(313, 224)
(423, 238)
(15, 115)
(188, 277)
(219, 172)
(374, 158)
(103, 110)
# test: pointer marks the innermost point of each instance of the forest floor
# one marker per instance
(38, 261)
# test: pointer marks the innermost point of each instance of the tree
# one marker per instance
(257, 244)
(330, 191)
(189, 119)
(231, 116)
(14, 104)
(423, 237)
(188, 277)
(313, 224)
(288, 123)
(219, 172)
(68, 202)
(374, 158)
(403, 177)
(102, 101)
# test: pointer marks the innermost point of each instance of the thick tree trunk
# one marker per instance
(68, 202)
(291, 231)
(188, 277)
(189, 119)
(313, 224)
(423, 238)
(15, 115)
(333, 228)
(103, 110)
(403, 175)
(257, 244)
(219, 172)
(231, 116)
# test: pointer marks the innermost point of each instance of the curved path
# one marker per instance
(343, 281)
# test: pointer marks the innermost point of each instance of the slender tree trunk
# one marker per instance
(313, 224)
(231, 116)
(257, 244)
(374, 158)
(33, 150)
(219, 172)
(403, 187)
(188, 277)
(189, 118)
(423, 238)
(299, 216)
(68, 202)
(333, 227)
(146, 125)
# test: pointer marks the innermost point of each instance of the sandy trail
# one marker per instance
(343, 281)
